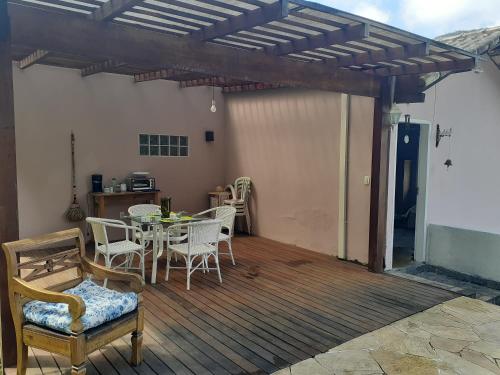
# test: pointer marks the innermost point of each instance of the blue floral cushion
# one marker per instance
(102, 305)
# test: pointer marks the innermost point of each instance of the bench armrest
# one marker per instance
(136, 284)
(76, 306)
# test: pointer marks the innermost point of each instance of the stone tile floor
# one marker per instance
(461, 336)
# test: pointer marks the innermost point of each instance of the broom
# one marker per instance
(74, 212)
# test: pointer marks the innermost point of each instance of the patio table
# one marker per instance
(156, 225)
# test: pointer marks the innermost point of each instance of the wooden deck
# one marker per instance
(277, 306)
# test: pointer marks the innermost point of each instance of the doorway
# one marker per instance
(405, 194)
(407, 189)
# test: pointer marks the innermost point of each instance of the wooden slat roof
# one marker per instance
(297, 30)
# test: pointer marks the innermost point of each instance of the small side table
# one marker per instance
(217, 198)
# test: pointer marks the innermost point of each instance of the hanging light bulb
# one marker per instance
(213, 107)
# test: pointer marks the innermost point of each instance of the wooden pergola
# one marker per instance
(239, 45)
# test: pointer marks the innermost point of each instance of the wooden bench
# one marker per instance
(46, 259)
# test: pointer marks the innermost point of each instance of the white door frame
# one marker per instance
(422, 196)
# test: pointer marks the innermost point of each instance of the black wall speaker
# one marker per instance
(209, 136)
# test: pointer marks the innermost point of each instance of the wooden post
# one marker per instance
(9, 225)
(380, 166)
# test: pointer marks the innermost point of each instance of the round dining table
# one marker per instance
(156, 225)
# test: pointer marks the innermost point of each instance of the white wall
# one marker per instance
(466, 251)
(467, 194)
(107, 112)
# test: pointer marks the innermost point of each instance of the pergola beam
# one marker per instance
(32, 59)
(168, 74)
(112, 9)
(77, 36)
(105, 66)
(208, 81)
(383, 55)
(379, 183)
(250, 87)
(430, 67)
(262, 15)
(9, 217)
(349, 33)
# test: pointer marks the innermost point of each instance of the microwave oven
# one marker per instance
(141, 184)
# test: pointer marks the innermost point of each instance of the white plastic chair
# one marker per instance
(226, 214)
(202, 240)
(240, 194)
(110, 250)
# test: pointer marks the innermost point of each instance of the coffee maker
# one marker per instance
(97, 183)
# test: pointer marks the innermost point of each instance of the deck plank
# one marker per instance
(280, 304)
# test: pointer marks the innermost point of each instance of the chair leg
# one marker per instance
(169, 256)
(107, 262)
(136, 348)
(188, 271)
(218, 267)
(143, 266)
(206, 263)
(130, 260)
(96, 256)
(78, 354)
(247, 219)
(231, 251)
(22, 357)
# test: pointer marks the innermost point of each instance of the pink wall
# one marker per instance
(288, 142)
(107, 112)
(360, 165)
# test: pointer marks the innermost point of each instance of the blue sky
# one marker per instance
(429, 18)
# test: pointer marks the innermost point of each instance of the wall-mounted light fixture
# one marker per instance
(395, 115)
(213, 107)
(442, 133)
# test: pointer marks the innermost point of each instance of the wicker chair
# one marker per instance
(202, 240)
(240, 194)
(143, 210)
(227, 215)
(112, 250)
(65, 317)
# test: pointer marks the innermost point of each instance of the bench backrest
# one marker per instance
(39, 258)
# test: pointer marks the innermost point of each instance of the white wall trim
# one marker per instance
(343, 156)
(422, 197)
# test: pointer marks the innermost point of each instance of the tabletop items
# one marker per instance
(136, 181)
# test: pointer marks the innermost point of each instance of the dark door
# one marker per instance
(407, 173)
(405, 203)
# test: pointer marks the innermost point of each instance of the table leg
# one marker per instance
(155, 255)
(101, 211)
(160, 244)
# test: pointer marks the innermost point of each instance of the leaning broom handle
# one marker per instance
(73, 177)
